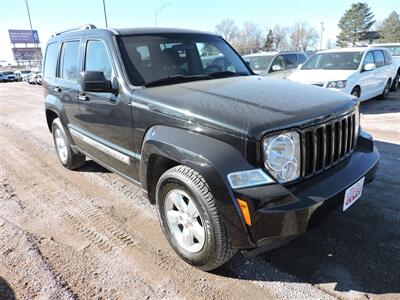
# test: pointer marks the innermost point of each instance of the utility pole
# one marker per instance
(322, 31)
(33, 38)
(156, 11)
(105, 13)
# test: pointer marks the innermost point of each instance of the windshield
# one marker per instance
(150, 58)
(259, 63)
(394, 50)
(334, 61)
(8, 73)
(25, 72)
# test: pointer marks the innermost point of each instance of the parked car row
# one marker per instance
(361, 72)
(32, 77)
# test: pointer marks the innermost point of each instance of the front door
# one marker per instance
(105, 119)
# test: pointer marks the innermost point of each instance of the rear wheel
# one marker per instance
(67, 157)
(386, 91)
(190, 219)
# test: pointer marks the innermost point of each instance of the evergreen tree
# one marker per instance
(269, 42)
(390, 30)
(355, 21)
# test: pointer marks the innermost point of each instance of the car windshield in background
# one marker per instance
(259, 63)
(8, 73)
(334, 61)
(394, 50)
(173, 58)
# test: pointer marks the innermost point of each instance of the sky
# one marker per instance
(49, 16)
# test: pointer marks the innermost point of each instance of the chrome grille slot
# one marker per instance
(325, 145)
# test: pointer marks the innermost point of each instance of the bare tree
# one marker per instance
(227, 29)
(249, 38)
(280, 35)
(302, 36)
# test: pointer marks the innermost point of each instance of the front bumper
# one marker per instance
(281, 212)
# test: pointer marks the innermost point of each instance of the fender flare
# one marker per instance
(213, 159)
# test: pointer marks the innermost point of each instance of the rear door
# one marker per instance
(66, 86)
(367, 79)
(105, 119)
(381, 73)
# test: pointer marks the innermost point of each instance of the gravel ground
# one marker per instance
(90, 234)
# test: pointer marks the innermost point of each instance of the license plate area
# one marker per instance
(353, 193)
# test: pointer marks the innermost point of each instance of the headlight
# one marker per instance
(282, 155)
(339, 84)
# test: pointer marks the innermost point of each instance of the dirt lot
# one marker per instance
(90, 234)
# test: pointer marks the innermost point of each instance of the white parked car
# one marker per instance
(276, 64)
(35, 78)
(23, 75)
(362, 72)
(394, 49)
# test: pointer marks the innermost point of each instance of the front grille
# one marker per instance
(324, 145)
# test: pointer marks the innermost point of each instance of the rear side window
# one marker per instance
(97, 58)
(290, 61)
(379, 58)
(69, 66)
(388, 57)
(50, 62)
(301, 58)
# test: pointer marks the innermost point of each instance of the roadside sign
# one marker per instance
(20, 36)
(27, 53)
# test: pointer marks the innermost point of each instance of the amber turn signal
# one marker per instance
(244, 208)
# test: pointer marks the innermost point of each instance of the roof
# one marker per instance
(385, 45)
(160, 30)
(271, 53)
(353, 49)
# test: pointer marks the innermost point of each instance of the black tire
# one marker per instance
(70, 160)
(356, 92)
(386, 91)
(395, 84)
(217, 248)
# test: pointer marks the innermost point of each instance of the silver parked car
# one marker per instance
(278, 64)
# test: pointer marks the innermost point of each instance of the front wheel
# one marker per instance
(386, 91)
(190, 220)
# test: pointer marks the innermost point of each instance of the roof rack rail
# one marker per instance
(83, 27)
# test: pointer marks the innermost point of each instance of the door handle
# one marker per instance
(83, 97)
(57, 89)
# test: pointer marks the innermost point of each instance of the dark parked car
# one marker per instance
(231, 159)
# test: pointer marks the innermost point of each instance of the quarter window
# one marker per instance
(50, 62)
(379, 58)
(97, 58)
(69, 67)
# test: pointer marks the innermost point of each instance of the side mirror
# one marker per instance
(94, 81)
(276, 68)
(369, 67)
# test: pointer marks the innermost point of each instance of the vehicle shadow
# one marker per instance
(358, 250)
(93, 167)
(379, 106)
(6, 292)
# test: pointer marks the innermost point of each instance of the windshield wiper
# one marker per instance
(176, 79)
(222, 74)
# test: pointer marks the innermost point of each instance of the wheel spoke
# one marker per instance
(177, 199)
(173, 216)
(187, 237)
(198, 232)
(192, 209)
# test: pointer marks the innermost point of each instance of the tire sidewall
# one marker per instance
(385, 95)
(164, 186)
(57, 125)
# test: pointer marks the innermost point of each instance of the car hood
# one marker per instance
(319, 76)
(248, 106)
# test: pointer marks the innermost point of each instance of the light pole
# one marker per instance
(158, 10)
(322, 30)
(105, 13)
(33, 38)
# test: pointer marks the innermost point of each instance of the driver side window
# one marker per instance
(278, 64)
(97, 58)
(369, 59)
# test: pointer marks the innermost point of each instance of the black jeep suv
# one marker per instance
(232, 160)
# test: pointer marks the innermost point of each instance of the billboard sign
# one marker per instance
(27, 53)
(19, 36)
